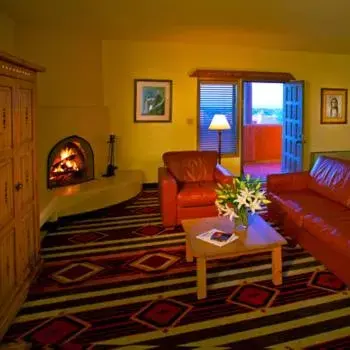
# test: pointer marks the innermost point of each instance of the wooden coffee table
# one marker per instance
(258, 238)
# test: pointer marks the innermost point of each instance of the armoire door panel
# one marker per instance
(5, 118)
(34, 240)
(6, 192)
(25, 255)
(25, 97)
(25, 185)
(7, 264)
(31, 229)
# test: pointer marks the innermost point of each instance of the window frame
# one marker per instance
(212, 81)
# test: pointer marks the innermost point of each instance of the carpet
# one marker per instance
(116, 279)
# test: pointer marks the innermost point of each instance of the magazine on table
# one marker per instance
(217, 237)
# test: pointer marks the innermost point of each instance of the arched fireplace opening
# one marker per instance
(70, 162)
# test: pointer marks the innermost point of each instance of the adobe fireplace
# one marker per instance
(71, 161)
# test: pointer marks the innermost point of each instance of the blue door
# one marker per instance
(293, 127)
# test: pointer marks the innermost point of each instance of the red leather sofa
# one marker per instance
(187, 185)
(314, 208)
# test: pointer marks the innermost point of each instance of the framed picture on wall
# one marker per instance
(334, 106)
(152, 100)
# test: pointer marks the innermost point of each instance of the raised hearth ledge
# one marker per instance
(96, 194)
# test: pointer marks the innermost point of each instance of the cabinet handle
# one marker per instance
(27, 176)
(18, 186)
(26, 115)
(6, 193)
(4, 118)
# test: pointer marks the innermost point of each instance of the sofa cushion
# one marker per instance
(287, 207)
(331, 230)
(191, 166)
(330, 177)
(297, 204)
(197, 194)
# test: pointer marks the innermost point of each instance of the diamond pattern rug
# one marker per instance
(116, 279)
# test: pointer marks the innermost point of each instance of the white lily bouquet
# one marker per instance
(236, 200)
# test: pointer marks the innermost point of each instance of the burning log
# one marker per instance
(63, 163)
(60, 176)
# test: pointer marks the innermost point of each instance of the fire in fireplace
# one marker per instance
(71, 161)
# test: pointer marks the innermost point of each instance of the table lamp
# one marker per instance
(219, 123)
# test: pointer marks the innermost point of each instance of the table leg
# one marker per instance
(189, 255)
(201, 278)
(277, 266)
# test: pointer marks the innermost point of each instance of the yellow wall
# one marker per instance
(141, 145)
(7, 32)
(88, 90)
(70, 94)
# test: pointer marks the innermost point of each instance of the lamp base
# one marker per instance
(219, 133)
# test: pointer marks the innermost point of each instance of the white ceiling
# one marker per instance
(313, 25)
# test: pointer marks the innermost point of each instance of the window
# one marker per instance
(217, 98)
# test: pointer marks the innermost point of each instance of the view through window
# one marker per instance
(267, 103)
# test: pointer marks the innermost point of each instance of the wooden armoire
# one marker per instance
(19, 215)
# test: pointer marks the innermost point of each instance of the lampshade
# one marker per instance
(219, 122)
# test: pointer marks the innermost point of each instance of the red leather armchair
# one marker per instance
(187, 185)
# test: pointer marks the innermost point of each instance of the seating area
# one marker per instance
(314, 209)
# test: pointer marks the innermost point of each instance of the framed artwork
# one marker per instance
(152, 100)
(334, 106)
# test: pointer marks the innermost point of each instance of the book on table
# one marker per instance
(217, 237)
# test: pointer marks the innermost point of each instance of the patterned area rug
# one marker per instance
(116, 279)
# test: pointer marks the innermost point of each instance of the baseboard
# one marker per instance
(150, 186)
(47, 213)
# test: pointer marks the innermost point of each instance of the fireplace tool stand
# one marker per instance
(111, 167)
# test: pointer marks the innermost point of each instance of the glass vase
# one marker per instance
(241, 222)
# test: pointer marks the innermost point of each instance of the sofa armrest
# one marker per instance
(168, 190)
(288, 182)
(222, 175)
